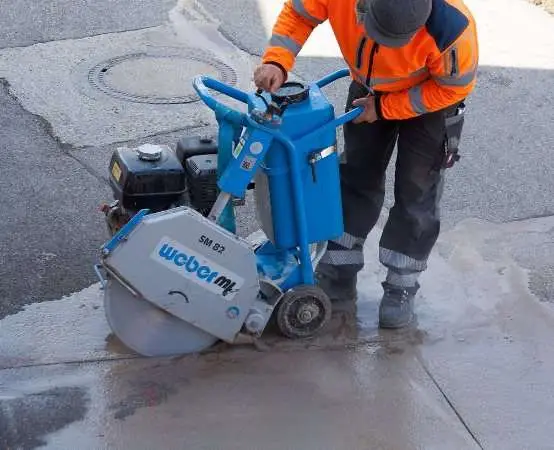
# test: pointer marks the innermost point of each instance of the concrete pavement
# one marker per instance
(474, 373)
(335, 400)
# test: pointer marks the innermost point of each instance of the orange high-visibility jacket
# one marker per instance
(436, 69)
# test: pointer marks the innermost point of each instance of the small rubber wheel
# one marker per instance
(303, 312)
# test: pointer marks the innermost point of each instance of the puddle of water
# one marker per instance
(26, 421)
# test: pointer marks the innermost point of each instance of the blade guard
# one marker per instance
(206, 277)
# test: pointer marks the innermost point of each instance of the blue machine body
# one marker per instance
(320, 184)
(297, 153)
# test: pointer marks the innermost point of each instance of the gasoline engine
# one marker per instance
(157, 178)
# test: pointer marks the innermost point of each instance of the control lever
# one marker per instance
(272, 108)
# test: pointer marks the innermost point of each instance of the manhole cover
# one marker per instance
(158, 77)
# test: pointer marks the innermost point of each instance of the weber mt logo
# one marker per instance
(197, 268)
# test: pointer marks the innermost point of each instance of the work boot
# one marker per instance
(397, 306)
(337, 289)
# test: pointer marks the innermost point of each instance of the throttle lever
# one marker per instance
(271, 108)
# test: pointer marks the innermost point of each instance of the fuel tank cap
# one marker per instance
(149, 152)
(291, 92)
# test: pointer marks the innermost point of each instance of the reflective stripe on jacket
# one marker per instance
(436, 69)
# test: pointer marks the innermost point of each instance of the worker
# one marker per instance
(413, 63)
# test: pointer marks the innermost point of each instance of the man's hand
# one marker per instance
(370, 110)
(269, 77)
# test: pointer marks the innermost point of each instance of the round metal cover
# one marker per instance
(149, 330)
(162, 76)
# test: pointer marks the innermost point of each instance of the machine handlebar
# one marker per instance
(202, 84)
(332, 77)
(350, 115)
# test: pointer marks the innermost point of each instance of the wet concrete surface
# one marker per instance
(308, 400)
(473, 372)
(26, 420)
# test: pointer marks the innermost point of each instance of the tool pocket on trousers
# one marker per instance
(454, 124)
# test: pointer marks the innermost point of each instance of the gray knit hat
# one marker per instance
(393, 23)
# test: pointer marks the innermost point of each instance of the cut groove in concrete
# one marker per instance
(168, 73)
(450, 403)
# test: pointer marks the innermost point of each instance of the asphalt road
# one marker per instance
(27, 22)
(50, 229)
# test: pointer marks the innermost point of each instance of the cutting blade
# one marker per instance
(149, 330)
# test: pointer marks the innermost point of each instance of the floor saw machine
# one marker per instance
(176, 276)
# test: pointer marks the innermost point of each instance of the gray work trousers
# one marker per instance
(413, 224)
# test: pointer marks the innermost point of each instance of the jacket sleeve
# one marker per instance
(295, 24)
(452, 78)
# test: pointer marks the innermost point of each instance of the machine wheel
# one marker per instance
(303, 312)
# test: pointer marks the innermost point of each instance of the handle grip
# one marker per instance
(332, 77)
(341, 120)
(347, 117)
(201, 85)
